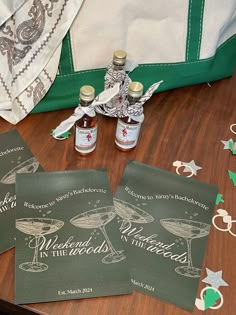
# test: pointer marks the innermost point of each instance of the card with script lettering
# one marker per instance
(68, 243)
(164, 222)
(15, 157)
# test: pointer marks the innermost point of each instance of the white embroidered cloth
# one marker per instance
(31, 32)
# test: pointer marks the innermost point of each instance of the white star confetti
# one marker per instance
(226, 144)
(191, 165)
(214, 279)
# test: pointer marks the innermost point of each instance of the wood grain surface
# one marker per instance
(183, 124)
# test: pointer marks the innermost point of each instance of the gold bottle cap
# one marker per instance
(135, 89)
(119, 57)
(87, 93)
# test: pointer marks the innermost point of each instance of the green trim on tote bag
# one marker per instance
(194, 35)
(65, 89)
(66, 65)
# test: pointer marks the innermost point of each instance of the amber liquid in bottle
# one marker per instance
(85, 132)
(127, 131)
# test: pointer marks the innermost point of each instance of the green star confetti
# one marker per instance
(231, 146)
(64, 135)
(226, 144)
(232, 176)
(219, 199)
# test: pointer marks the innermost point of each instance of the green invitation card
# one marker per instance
(68, 243)
(15, 157)
(164, 223)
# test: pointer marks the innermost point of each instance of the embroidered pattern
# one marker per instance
(39, 91)
(5, 86)
(29, 31)
(28, 62)
(6, 29)
(42, 45)
(49, 7)
(13, 54)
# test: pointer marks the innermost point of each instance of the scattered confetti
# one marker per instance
(188, 167)
(210, 298)
(232, 146)
(231, 128)
(226, 144)
(227, 219)
(210, 294)
(222, 212)
(63, 136)
(191, 165)
(214, 279)
(219, 199)
(232, 176)
(179, 164)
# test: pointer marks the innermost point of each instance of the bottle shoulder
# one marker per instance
(86, 121)
(128, 120)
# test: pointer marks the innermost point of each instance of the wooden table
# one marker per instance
(183, 124)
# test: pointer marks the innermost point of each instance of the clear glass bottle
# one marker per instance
(116, 73)
(127, 130)
(86, 126)
(118, 64)
(119, 59)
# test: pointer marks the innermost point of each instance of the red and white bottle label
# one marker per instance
(127, 134)
(85, 139)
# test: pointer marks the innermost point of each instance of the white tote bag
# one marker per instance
(181, 42)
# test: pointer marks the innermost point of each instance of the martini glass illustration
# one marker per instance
(188, 230)
(98, 218)
(130, 213)
(38, 227)
(28, 166)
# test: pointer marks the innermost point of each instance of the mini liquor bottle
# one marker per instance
(119, 59)
(86, 126)
(115, 72)
(127, 130)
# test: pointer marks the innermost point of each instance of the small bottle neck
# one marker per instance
(118, 67)
(84, 103)
(132, 100)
